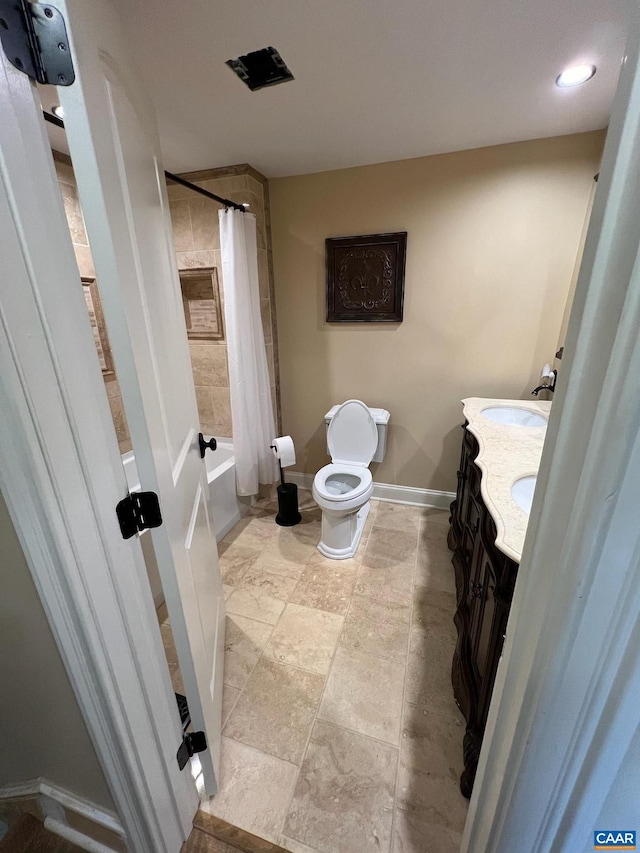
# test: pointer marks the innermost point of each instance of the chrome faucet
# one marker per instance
(550, 387)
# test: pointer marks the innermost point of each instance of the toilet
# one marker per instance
(356, 436)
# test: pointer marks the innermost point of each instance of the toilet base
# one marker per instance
(341, 533)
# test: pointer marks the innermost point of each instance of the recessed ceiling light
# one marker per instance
(57, 111)
(575, 75)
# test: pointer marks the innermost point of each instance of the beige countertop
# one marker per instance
(506, 454)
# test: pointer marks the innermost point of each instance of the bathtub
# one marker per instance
(227, 508)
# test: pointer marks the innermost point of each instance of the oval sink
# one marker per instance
(522, 492)
(514, 416)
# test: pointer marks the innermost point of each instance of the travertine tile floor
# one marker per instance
(340, 730)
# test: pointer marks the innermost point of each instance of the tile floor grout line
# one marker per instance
(319, 705)
(353, 599)
(359, 734)
(273, 627)
(404, 690)
(261, 751)
(260, 656)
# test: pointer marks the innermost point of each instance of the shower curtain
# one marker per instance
(251, 404)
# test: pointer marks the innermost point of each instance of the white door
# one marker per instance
(62, 476)
(114, 146)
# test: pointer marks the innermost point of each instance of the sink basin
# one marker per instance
(514, 416)
(522, 492)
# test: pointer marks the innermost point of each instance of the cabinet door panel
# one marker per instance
(485, 624)
(471, 524)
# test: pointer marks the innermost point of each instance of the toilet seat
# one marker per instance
(352, 436)
(342, 482)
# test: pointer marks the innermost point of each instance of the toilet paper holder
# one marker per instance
(288, 512)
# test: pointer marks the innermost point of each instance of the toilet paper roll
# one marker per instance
(284, 450)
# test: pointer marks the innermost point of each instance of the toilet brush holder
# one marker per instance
(288, 513)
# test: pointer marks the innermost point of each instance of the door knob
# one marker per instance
(211, 444)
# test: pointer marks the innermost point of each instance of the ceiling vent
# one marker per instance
(261, 68)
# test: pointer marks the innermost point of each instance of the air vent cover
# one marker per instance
(261, 68)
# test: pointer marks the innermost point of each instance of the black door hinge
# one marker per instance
(34, 38)
(191, 743)
(137, 512)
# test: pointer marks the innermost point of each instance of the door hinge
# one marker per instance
(191, 743)
(34, 38)
(137, 512)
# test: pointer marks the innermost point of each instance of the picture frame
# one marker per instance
(365, 278)
(98, 326)
(202, 306)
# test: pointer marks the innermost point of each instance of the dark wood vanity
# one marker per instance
(485, 578)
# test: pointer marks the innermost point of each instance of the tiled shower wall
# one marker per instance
(67, 183)
(197, 244)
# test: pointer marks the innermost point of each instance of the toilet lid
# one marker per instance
(352, 436)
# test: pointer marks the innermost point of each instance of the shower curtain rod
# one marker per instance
(53, 119)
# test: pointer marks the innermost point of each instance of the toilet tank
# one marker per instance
(381, 418)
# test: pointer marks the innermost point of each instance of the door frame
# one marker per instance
(61, 475)
(565, 703)
(104, 625)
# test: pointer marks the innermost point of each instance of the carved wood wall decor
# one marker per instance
(365, 278)
(201, 301)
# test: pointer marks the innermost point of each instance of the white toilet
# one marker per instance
(356, 436)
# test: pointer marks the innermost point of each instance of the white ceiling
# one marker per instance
(375, 80)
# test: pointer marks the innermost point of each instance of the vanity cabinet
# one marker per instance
(485, 578)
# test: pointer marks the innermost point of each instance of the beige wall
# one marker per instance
(197, 242)
(492, 240)
(43, 732)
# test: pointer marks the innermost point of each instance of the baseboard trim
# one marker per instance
(388, 492)
(62, 806)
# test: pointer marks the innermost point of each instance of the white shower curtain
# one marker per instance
(251, 404)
